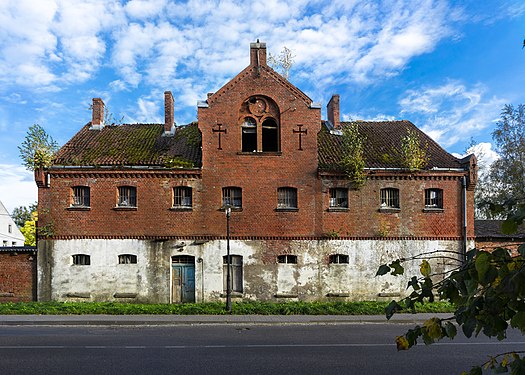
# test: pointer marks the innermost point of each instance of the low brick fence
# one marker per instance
(18, 277)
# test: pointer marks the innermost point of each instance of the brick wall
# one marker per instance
(17, 276)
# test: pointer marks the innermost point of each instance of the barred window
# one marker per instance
(127, 196)
(235, 272)
(80, 196)
(232, 197)
(338, 259)
(390, 198)
(286, 197)
(433, 198)
(81, 260)
(287, 258)
(339, 198)
(182, 197)
(127, 259)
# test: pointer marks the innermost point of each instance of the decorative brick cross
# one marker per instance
(300, 132)
(220, 130)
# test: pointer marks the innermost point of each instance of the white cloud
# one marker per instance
(451, 112)
(18, 186)
(142, 9)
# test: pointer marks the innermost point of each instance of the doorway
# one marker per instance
(182, 279)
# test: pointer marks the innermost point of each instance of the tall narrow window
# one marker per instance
(182, 197)
(9, 228)
(232, 197)
(390, 198)
(338, 198)
(270, 136)
(127, 196)
(287, 198)
(80, 196)
(287, 258)
(235, 273)
(81, 260)
(433, 198)
(249, 135)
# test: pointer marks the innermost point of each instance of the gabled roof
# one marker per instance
(382, 141)
(134, 144)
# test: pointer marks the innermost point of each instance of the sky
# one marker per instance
(447, 66)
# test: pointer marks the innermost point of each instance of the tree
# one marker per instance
(487, 291)
(353, 161)
(282, 62)
(506, 184)
(29, 230)
(22, 214)
(38, 149)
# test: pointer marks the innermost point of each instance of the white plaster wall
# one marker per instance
(13, 238)
(312, 278)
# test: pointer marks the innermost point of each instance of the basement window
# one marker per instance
(127, 259)
(338, 259)
(287, 258)
(81, 260)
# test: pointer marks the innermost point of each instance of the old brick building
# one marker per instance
(137, 212)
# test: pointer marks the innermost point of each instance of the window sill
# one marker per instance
(233, 209)
(286, 209)
(125, 208)
(342, 294)
(433, 210)
(78, 208)
(337, 209)
(286, 295)
(389, 210)
(261, 153)
(181, 209)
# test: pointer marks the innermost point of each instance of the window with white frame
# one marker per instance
(182, 197)
(232, 197)
(338, 259)
(287, 198)
(433, 198)
(127, 196)
(287, 259)
(338, 198)
(390, 198)
(235, 273)
(80, 196)
(81, 260)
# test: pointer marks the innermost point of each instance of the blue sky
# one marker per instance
(447, 66)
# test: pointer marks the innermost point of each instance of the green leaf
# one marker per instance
(521, 249)
(424, 268)
(450, 330)
(392, 308)
(482, 264)
(397, 268)
(518, 321)
(509, 227)
(383, 270)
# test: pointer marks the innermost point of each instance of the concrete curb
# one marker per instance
(175, 320)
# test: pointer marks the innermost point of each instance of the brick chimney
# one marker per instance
(332, 111)
(257, 54)
(169, 119)
(97, 119)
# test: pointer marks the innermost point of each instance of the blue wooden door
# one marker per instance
(182, 280)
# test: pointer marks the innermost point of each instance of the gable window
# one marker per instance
(338, 198)
(434, 198)
(127, 196)
(182, 197)
(80, 196)
(235, 273)
(9, 228)
(127, 259)
(287, 198)
(81, 260)
(232, 197)
(249, 135)
(390, 198)
(270, 134)
(287, 258)
(338, 259)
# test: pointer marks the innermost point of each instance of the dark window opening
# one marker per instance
(235, 273)
(270, 136)
(81, 260)
(80, 196)
(286, 197)
(127, 259)
(339, 198)
(289, 259)
(249, 135)
(338, 258)
(433, 198)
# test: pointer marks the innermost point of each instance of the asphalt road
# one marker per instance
(235, 349)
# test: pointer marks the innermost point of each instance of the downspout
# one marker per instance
(464, 229)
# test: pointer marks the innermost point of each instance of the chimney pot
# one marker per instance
(332, 111)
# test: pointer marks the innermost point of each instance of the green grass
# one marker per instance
(211, 308)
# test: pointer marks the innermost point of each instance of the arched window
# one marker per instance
(249, 135)
(270, 136)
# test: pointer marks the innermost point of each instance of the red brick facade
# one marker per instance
(17, 275)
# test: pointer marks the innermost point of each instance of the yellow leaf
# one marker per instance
(433, 327)
(402, 343)
(424, 268)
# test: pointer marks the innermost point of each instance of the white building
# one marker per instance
(10, 235)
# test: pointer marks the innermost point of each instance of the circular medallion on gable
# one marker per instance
(257, 106)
